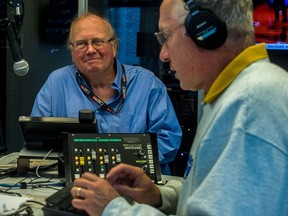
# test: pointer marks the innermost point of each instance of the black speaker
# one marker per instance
(206, 29)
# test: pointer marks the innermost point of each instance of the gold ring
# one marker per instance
(78, 192)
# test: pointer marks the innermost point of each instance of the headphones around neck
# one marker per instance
(206, 29)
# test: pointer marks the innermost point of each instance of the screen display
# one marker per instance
(49, 132)
(270, 23)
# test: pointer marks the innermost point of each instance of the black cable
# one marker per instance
(28, 209)
(37, 202)
(10, 193)
(19, 182)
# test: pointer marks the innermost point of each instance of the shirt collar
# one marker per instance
(234, 68)
(118, 78)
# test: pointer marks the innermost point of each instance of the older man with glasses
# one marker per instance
(125, 98)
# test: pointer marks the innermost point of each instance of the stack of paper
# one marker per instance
(10, 204)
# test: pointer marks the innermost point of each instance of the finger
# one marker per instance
(79, 203)
(122, 171)
(85, 181)
(77, 192)
(124, 189)
(90, 176)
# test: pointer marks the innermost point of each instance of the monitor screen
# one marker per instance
(48, 132)
(270, 24)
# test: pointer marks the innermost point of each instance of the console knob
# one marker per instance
(142, 152)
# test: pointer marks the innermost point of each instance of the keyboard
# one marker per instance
(59, 203)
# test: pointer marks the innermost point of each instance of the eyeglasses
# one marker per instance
(163, 35)
(95, 42)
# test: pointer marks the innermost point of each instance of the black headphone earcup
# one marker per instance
(206, 29)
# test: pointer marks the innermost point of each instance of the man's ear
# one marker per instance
(115, 51)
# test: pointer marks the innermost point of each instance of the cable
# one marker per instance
(10, 193)
(32, 184)
(37, 169)
(14, 185)
(34, 201)
(16, 212)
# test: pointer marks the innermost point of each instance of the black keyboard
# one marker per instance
(59, 203)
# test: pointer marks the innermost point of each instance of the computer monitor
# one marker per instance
(268, 28)
(271, 31)
(46, 133)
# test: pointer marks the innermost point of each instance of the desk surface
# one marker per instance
(38, 189)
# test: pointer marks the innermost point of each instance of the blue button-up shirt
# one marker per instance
(147, 107)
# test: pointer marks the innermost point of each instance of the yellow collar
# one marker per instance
(234, 68)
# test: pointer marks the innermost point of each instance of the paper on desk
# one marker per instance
(9, 204)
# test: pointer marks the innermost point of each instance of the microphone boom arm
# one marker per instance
(10, 29)
(21, 67)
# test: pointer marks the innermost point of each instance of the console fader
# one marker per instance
(98, 153)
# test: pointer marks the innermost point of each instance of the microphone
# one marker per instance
(20, 67)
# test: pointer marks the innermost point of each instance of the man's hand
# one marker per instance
(131, 181)
(92, 194)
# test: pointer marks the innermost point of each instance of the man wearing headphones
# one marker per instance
(239, 158)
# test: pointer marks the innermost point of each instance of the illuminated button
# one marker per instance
(101, 162)
(76, 157)
(76, 162)
(149, 147)
(88, 157)
(101, 158)
(113, 157)
(100, 150)
(102, 175)
(82, 161)
(149, 151)
(88, 150)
